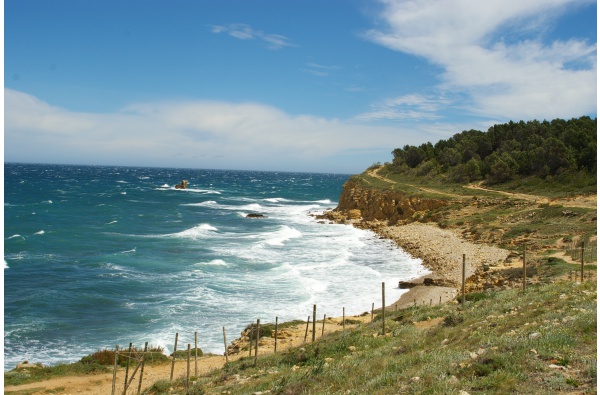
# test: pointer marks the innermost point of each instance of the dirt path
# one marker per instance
(588, 201)
(373, 173)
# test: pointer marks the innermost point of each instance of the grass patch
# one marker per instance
(24, 376)
(498, 343)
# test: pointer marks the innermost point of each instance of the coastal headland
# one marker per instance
(439, 228)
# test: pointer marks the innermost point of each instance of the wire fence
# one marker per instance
(136, 358)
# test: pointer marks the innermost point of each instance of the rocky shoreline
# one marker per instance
(441, 251)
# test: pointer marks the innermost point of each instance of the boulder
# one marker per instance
(252, 215)
(406, 284)
(354, 214)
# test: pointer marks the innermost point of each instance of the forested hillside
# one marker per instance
(555, 151)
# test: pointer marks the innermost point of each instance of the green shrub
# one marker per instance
(183, 354)
(107, 357)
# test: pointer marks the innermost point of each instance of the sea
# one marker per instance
(99, 256)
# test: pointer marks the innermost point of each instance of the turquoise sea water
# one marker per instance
(99, 256)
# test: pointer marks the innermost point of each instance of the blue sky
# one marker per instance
(327, 86)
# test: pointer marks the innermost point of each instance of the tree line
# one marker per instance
(514, 149)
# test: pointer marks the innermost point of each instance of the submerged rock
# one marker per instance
(253, 215)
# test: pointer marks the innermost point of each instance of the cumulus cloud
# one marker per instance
(207, 134)
(242, 31)
(494, 51)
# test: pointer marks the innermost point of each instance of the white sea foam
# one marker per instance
(277, 200)
(41, 232)
(282, 235)
(14, 236)
(215, 262)
(229, 274)
(112, 222)
(198, 231)
(5, 264)
(208, 203)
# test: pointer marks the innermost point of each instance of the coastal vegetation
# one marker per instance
(558, 156)
(539, 341)
(520, 186)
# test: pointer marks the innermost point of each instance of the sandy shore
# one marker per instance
(441, 251)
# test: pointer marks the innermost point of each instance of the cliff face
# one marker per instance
(394, 207)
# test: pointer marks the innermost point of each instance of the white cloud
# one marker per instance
(494, 52)
(205, 134)
(413, 107)
(242, 31)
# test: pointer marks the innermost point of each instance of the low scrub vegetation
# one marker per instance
(539, 341)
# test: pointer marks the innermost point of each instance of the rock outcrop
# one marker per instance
(392, 207)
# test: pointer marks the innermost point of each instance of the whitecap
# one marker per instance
(214, 262)
(201, 230)
(204, 191)
(285, 233)
(112, 222)
(202, 204)
(123, 193)
(47, 202)
(5, 265)
(129, 251)
(13, 236)
(41, 232)
(276, 200)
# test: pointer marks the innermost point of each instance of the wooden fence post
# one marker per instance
(187, 378)
(142, 370)
(127, 365)
(372, 311)
(225, 344)
(524, 267)
(323, 329)
(250, 342)
(582, 251)
(314, 322)
(464, 279)
(276, 328)
(306, 333)
(257, 336)
(174, 351)
(195, 354)
(114, 382)
(383, 308)
(127, 384)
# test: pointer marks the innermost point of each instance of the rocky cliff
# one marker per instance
(358, 202)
